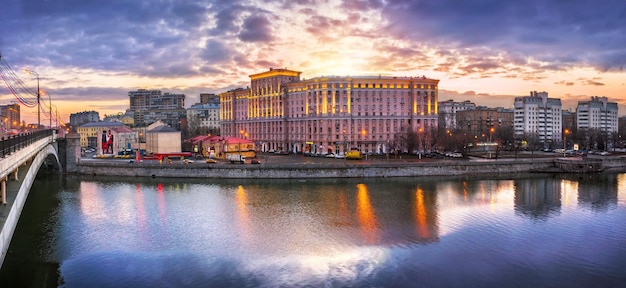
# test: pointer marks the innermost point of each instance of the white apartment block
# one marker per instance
(538, 115)
(329, 114)
(597, 113)
(207, 115)
(448, 109)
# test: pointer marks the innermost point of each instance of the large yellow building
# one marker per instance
(329, 114)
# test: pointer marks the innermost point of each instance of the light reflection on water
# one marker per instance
(535, 230)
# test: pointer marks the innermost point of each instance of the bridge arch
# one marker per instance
(32, 158)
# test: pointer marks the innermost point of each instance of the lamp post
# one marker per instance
(31, 72)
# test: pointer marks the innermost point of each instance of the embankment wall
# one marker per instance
(302, 170)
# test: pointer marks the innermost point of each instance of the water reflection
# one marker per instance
(365, 213)
(538, 199)
(598, 195)
(343, 232)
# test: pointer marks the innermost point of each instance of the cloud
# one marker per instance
(566, 83)
(256, 28)
(559, 33)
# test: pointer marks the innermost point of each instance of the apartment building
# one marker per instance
(205, 115)
(149, 106)
(447, 112)
(282, 112)
(538, 115)
(597, 113)
(482, 121)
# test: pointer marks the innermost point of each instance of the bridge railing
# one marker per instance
(12, 143)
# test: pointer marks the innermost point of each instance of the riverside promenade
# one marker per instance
(300, 167)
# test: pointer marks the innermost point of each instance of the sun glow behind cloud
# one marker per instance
(484, 55)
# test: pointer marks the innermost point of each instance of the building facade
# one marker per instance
(80, 118)
(482, 122)
(597, 113)
(149, 106)
(538, 116)
(209, 98)
(204, 115)
(281, 112)
(447, 112)
(90, 132)
(10, 117)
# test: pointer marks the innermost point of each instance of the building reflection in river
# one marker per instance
(538, 198)
(323, 214)
(543, 198)
(598, 195)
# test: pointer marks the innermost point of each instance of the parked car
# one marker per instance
(330, 155)
(605, 153)
(340, 155)
(354, 154)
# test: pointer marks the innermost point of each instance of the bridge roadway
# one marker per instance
(22, 158)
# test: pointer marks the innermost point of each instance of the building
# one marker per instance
(569, 120)
(482, 122)
(124, 138)
(597, 113)
(539, 117)
(90, 133)
(10, 117)
(149, 106)
(447, 112)
(281, 112)
(209, 98)
(80, 118)
(204, 115)
(163, 139)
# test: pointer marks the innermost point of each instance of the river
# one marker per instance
(531, 230)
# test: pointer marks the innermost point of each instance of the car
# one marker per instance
(605, 153)
(330, 155)
(340, 155)
(255, 161)
(354, 154)
(210, 161)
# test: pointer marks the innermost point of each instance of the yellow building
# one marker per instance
(91, 132)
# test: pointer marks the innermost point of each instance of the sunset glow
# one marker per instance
(486, 54)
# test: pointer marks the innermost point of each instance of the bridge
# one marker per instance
(21, 158)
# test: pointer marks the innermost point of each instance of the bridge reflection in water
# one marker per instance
(526, 231)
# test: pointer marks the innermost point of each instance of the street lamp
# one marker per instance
(31, 72)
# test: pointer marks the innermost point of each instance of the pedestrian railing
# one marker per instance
(11, 143)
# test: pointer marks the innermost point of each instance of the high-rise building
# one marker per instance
(597, 113)
(447, 112)
(80, 118)
(149, 106)
(538, 116)
(329, 114)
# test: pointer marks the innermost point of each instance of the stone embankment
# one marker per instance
(344, 169)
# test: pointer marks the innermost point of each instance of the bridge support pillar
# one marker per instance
(15, 174)
(3, 187)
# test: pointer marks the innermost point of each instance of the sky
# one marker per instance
(90, 53)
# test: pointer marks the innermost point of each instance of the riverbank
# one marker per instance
(342, 169)
(298, 167)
